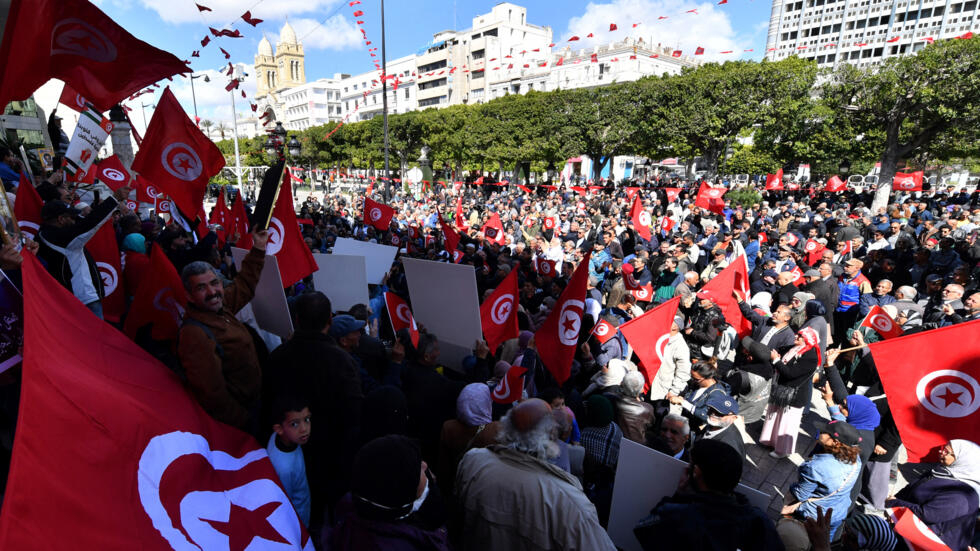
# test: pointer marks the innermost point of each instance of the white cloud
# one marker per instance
(710, 28)
(225, 11)
(335, 33)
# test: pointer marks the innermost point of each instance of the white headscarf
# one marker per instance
(966, 465)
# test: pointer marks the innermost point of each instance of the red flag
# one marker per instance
(641, 219)
(27, 208)
(459, 220)
(176, 156)
(145, 191)
(644, 293)
(648, 335)
(835, 184)
(557, 338)
(72, 99)
(666, 224)
(908, 182)
(202, 8)
(113, 173)
(710, 198)
(879, 320)
(549, 223)
(105, 252)
(594, 58)
(573, 39)
(253, 21)
(814, 250)
(239, 224)
(451, 240)
(603, 331)
(377, 215)
(966, 36)
(511, 388)
(699, 51)
(931, 382)
(612, 27)
(88, 50)
(221, 215)
(675, 53)
(579, 189)
(720, 288)
(916, 533)
(774, 182)
(498, 313)
(797, 274)
(545, 267)
(286, 240)
(631, 193)
(358, 13)
(493, 230)
(159, 299)
(792, 185)
(112, 436)
(672, 193)
(893, 39)
(401, 317)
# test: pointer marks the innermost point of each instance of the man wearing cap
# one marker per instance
(63, 236)
(717, 264)
(722, 413)
(852, 285)
(546, 507)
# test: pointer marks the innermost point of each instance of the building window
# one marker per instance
(406, 93)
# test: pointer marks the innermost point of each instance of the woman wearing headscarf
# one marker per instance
(947, 500)
(473, 427)
(607, 379)
(136, 262)
(861, 413)
(826, 480)
(791, 392)
(815, 313)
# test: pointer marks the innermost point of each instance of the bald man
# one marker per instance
(547, 507)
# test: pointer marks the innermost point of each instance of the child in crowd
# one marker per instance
(290, 432)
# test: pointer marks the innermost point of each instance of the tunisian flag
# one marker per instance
(641, 219)
(239, 224)
(113, 173)
(879, 320)
(493, 230)
(74, 41)
(774, 182)
(546, 267)
(558, 336)
(511, 388)
(458, 219)
(176, 156)
(719, 290)
(72, 99)
(400, 316)
(908, 182)
(814, 251)
(221, 216)
(451, 240)
(648, 335)
(931, 382)
(498, 313)
(27, 208)
(286, 240)
(377, 215)
(710, 198)
(603, 331)
(105, 252)
(918, 536)
(835, 184)
(111, 435)
(672, 193)
(159, 300)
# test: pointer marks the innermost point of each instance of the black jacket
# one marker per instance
(63, 250)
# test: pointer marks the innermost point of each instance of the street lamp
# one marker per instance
(197, 120)
(294, 147)
(275, 142)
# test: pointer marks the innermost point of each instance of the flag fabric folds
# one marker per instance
(557, 337)
(648, 335)
(498, 313)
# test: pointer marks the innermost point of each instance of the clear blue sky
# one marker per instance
(333, 42)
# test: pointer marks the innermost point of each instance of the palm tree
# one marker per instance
(222, 128)
(207, 125)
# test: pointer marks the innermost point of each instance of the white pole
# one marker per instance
(238, 159)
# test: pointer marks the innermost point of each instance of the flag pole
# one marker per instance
(384, 102)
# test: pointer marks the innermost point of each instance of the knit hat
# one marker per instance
(873, 533)
(600, 410)
(134, 242)
(385, 478)
(803, 297)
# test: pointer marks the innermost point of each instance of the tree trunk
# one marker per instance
(500, 170)
(889, 163)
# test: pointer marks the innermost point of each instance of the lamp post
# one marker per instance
(384, 101)
(197, 120)
(239, 76)
(276, 145)
(145, 105)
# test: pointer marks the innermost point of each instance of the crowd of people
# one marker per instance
(410, 453)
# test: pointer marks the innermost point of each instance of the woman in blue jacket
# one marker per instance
(948, 499)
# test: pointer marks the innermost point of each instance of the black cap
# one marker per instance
(56, 208)
(840, 431)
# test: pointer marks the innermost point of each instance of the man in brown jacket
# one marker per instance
(215, 349)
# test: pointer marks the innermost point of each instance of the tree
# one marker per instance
(600, 122)
(751, 159)
(206, 124)
(917, 102)
(222, 128)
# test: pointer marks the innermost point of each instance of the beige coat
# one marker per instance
(675, 369)
(514, 501)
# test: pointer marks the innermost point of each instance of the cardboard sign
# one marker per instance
(11, 323)
(268, 193)
(445, 301)
(643, 477)
(269, 302)
(343, 279)
(378, 258)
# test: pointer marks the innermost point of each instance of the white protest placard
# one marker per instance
(377, 257)
(343, 279)
(269, 302)
(445, 300)
(643, 477)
